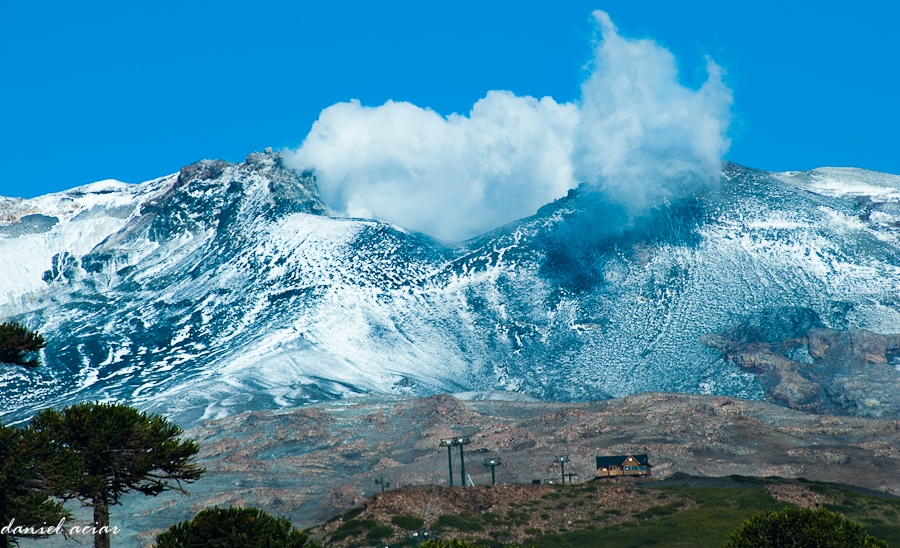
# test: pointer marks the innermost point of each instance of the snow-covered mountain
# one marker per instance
(227, 287)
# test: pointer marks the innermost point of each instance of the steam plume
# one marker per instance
(636, 133)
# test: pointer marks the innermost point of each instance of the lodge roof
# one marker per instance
(619, 460)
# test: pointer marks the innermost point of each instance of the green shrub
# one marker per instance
(232, 528)
(462, 522)
(379, 532)
(452, 543)
(353, 528)
(799, 528)
(410, 523)
(660, 511)
(348, 515)
(512, 514)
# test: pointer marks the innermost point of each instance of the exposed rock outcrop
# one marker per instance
(849, 372)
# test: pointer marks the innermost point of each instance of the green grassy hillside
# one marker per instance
(681, 512)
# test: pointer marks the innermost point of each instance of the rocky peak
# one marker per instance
(225, 287)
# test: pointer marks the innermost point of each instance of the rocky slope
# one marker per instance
(824, 371)
(318, 461)
(227, 287)
(617, 512)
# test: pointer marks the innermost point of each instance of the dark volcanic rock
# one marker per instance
(851, 372)
(29, 224)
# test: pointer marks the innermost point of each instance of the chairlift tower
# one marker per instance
(449, 443)
(562, 460)
(415, 536)
(381, 481)
(493, 463)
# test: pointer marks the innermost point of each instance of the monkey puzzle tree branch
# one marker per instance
(17, 342)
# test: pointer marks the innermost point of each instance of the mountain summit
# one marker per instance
(228, 287)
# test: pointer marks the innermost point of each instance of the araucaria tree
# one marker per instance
(18, 344)
(25, 506)
(801, 528)
(96, 452)
(233, 528)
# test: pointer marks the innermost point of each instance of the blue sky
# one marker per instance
(131, 91)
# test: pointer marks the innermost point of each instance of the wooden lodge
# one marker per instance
(623, 465)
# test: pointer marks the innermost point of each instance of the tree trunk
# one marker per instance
(4, 539)
(101, 521)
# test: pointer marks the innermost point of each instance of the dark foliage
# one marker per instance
(410, 523)
(452, 543)
(17, 344)
(379, 532)
(801, 528)
(96, 452)
(233, 528)
(462, 522)
(23, 493)
(353, 528)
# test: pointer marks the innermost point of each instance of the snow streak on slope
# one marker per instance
(227, 287)
(59, 227)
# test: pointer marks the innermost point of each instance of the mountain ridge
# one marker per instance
(228, 287)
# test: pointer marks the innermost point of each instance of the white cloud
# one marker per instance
(450, 177)
(642, 135)
(637, 133)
